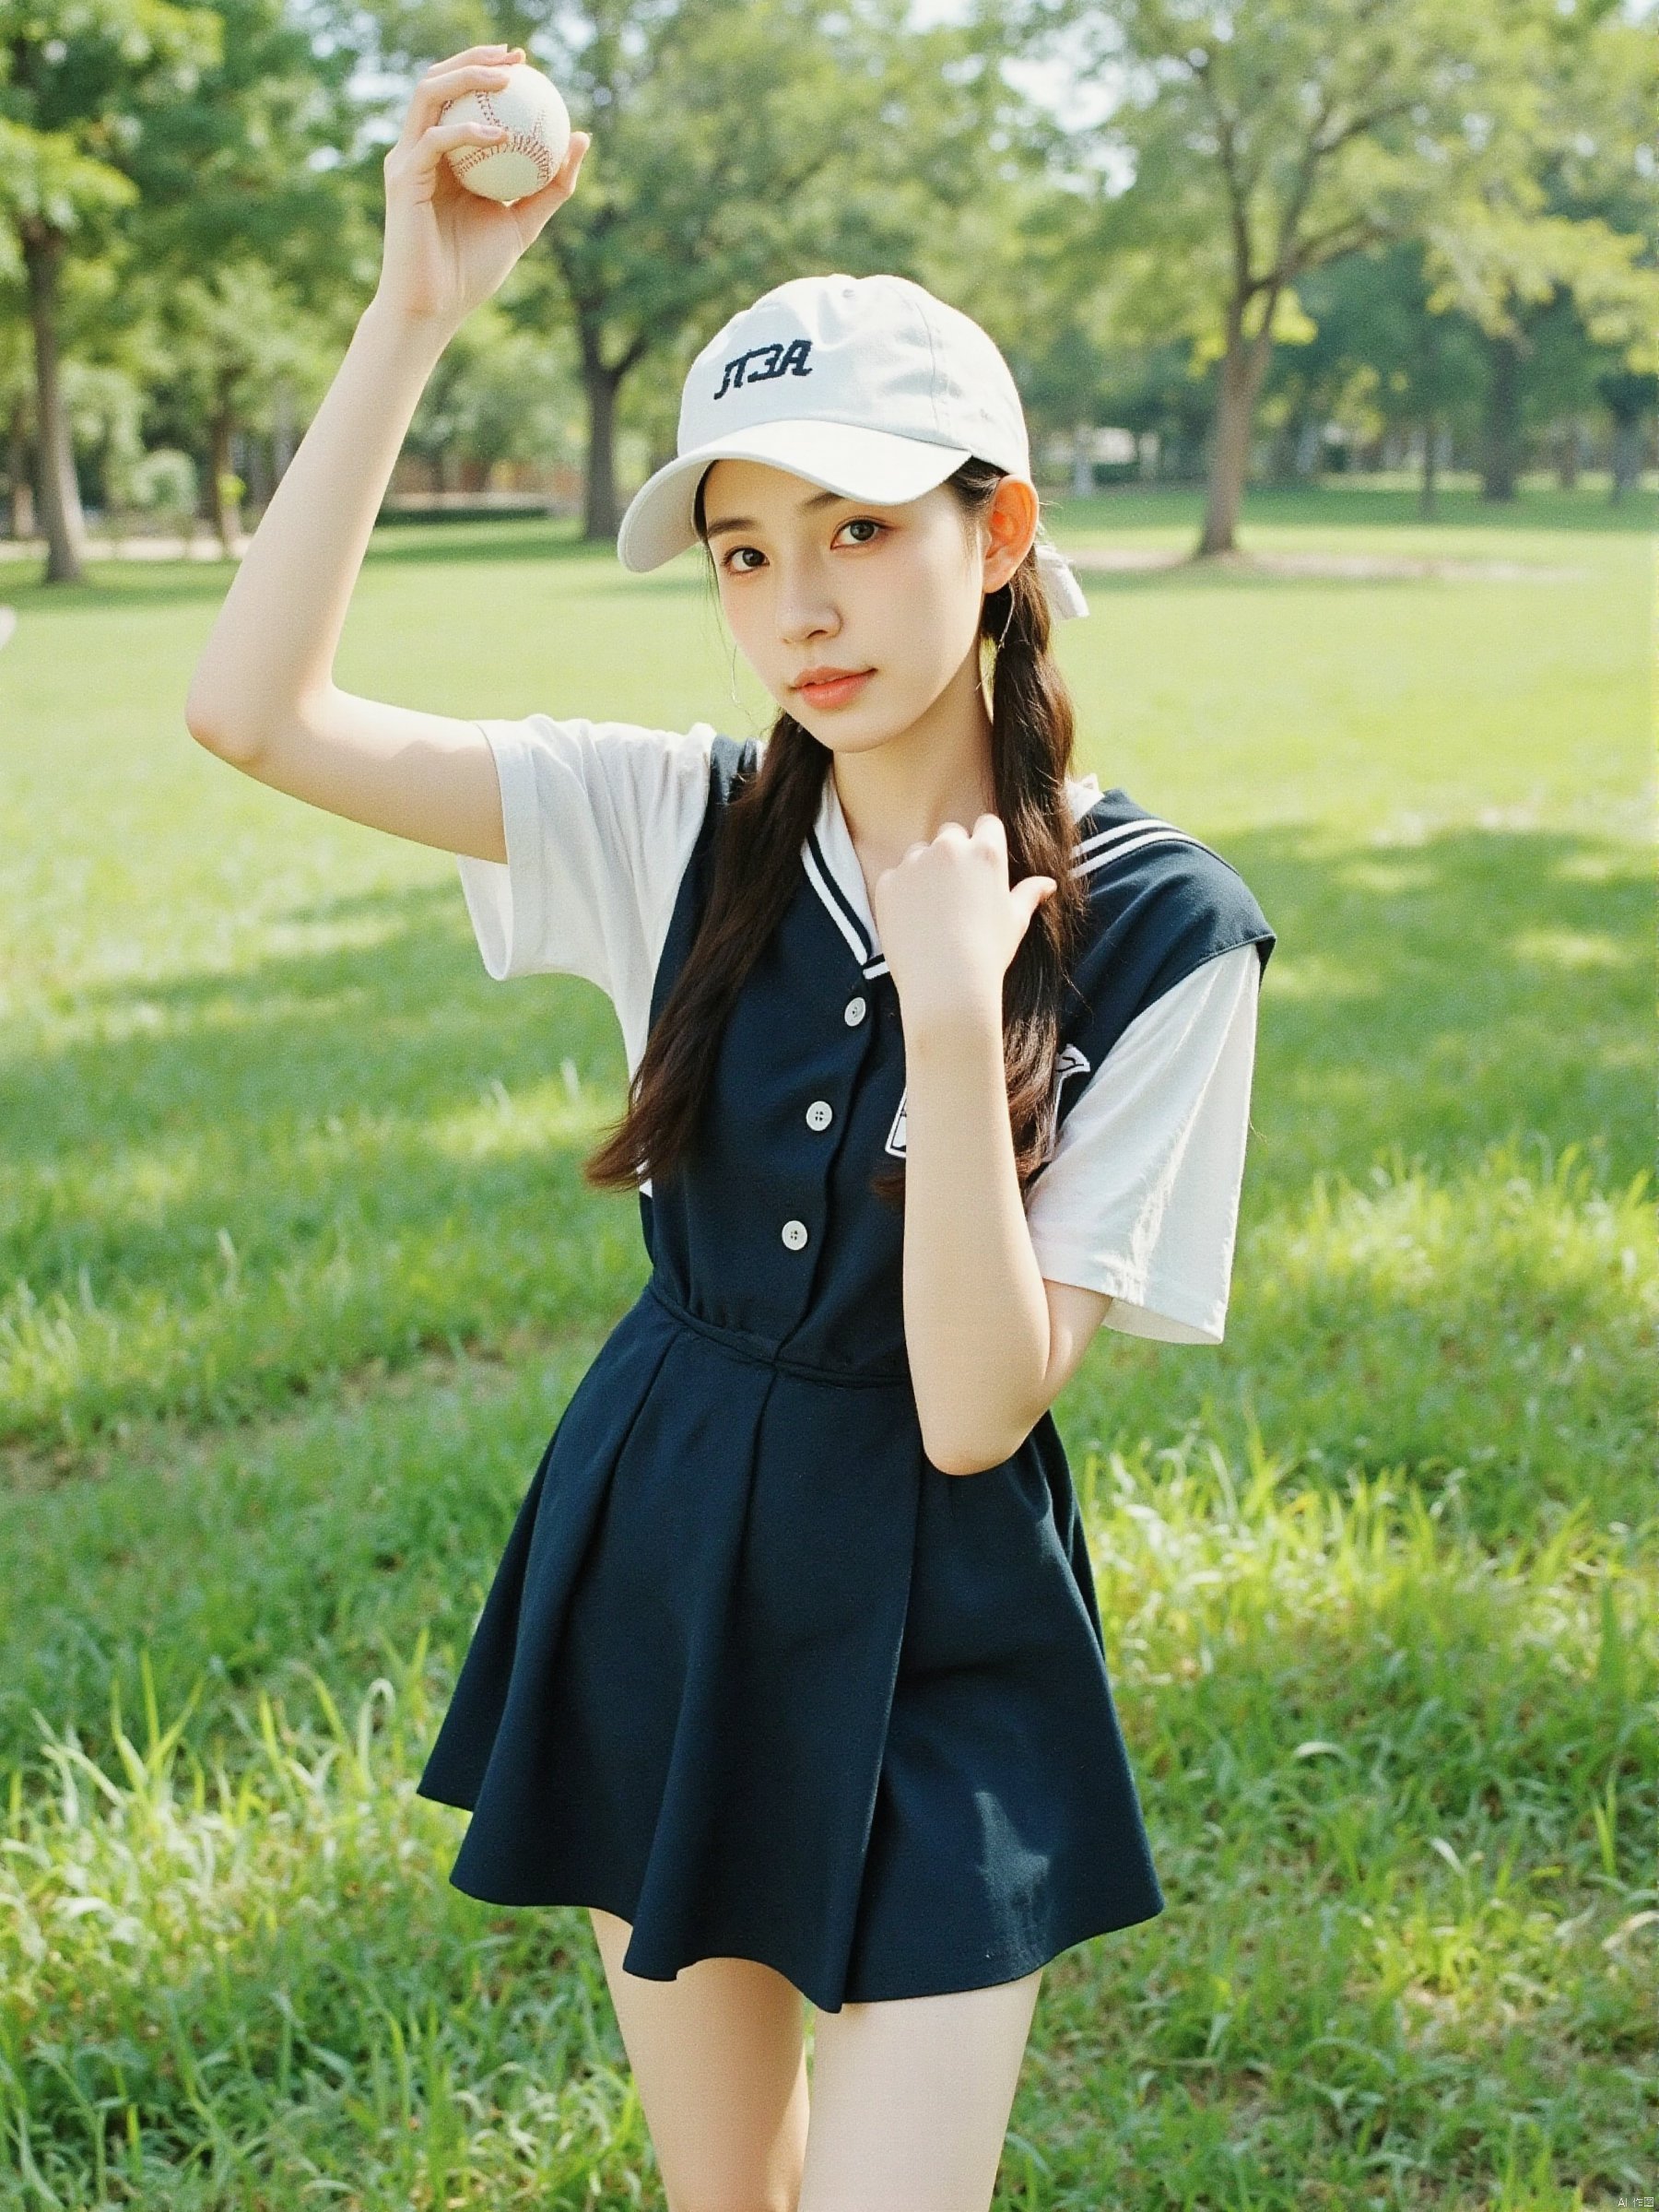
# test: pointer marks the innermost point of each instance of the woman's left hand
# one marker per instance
(949, 923)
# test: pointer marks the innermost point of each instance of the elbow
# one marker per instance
(968, 1455)
(201, 722)
(991, 1443)
(212, 733)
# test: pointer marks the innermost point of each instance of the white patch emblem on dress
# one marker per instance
(1071, 1061)
(895, 1137)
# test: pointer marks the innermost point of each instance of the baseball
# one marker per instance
(528, 105)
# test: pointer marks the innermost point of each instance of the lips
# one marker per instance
(834, 690)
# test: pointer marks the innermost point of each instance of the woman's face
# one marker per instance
(811, 580)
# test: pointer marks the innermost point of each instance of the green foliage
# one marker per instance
(252, 251)
(501, 392)
(1578, 219)
(735, 143)
(235, 341)
(251, 170)
(163, 482)
(218, 171)
(1384, 357)
(1270, 139)
(76, 80)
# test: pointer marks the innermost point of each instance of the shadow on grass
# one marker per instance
(381, 1111)
(1432, 994)
(1419, 993)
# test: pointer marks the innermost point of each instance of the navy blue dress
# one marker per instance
(753, 1674)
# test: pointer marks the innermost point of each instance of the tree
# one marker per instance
(1630, 398)
(76, 80)
(232, 337)
(1572, 233)
(737, 143)
(1271, 138)
(1378, 344)
(1021, 261)
(498, 393)
(17, 391)
(249, 235)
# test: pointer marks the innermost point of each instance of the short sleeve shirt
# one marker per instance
(1140, 1197)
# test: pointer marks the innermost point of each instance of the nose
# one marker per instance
(803, 608)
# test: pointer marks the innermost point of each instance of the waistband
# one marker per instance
(745, 1345)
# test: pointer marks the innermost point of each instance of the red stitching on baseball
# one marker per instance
(515, 142)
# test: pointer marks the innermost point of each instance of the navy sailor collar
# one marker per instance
(831, 862)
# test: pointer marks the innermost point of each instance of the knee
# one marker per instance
(741, 2184)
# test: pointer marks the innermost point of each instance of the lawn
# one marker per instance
(296, 1270)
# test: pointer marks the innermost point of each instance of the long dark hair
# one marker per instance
(757, 870)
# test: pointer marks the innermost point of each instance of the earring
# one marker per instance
(1006, 619)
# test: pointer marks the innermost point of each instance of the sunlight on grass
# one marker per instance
(174, 1933)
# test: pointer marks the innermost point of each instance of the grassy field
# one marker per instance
(297, 1271)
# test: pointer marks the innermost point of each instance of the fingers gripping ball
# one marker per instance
(529, 107)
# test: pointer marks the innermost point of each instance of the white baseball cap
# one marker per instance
(868, 386)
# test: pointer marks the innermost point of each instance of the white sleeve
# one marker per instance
(600, 818)
(1141, 1197)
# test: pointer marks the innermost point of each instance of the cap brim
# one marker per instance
(845, 457)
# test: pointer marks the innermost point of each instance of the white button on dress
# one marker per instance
(853, 1012)
(794, 1234)
(820, 1114)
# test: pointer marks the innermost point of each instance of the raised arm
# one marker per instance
(262, 695)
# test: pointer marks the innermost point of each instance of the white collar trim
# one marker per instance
(835, 842)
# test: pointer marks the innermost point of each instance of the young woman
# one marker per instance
(792, 1670)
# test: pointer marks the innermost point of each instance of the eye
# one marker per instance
(857, 521)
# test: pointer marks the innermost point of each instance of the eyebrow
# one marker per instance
(745, 522)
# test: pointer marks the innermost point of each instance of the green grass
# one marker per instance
(297, 1271)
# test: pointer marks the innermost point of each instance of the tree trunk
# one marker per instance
(1430, 486)
(1567, 456)
(602, 509)
(227, 521)
(1082, 465)
(1627, 457)
(1501, 462)
(1243, 367)
(60, 496)
(260, 472)
(18, 460)
(1428, 384)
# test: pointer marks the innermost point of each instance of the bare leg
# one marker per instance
(910, 2100)
(719, 2058)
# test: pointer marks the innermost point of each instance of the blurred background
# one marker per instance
(1336, 326)
(1298, 243)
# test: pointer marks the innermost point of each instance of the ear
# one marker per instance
(1010, 526)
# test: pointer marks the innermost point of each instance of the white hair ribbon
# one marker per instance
(1065, 593)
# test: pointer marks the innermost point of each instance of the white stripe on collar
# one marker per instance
(840, 857)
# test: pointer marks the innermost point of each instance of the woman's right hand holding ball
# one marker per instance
(446, 248)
